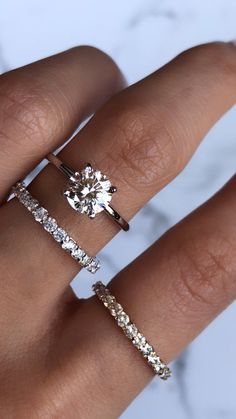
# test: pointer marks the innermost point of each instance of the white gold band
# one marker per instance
(131, 331)
(42, 216)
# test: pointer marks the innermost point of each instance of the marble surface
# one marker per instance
(141, 35)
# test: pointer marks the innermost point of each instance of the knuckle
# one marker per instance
(205, 273)
(148, 147)
(28, 113)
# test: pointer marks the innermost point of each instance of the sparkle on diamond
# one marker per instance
(91, 193)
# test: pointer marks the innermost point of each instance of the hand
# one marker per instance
(61, 357)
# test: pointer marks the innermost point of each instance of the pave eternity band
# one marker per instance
(131, 331)
(89, 191)
(42, 216)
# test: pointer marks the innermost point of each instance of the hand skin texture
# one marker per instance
(63, 357)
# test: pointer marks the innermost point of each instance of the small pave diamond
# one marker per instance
(139, 340)
(146, 349)
(60, 235)
(93, 266)
(122, 319)
(156, 368)
(115, 309)
(109, 300)
(153, 358)
(32, 204)
(77, 253)
(86, 260)
(40, 214)
(69, 244)
(50, 224)
(90, 193)
(131, 331)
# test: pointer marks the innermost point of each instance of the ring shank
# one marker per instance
(116, 217)
(66, 170)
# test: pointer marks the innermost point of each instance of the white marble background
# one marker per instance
(141, 35)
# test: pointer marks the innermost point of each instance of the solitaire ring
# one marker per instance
(89, 191)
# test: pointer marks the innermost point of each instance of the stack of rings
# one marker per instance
(90, 192)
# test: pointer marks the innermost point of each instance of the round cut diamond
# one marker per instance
(86, 260)
(109, 300)
(40, 214)
(68, 244)
(32, 204)
(59, 235)
(146, 349)
(50, 224)
(122, 319)
(139, 340)
(115, 309)
(77, 253)
(94, 266)
(153, 358)
(130, 330)
(90, 193)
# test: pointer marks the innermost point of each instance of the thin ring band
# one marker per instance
(72, 175)
(131, 331)
(42, 216)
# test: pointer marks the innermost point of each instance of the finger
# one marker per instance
(42, 104)
(141, 139)
(172, 292)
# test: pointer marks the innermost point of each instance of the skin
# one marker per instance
(61, 357)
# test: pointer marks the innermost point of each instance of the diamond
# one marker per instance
(115, 309)
(94, 266)
(40, 214)
(68, 244)
(99, 289)
(59, 235)
(32, 204)
(156, 368)
(24, 197)
(19, 187)
(77, 253)
(85, 261)
(146, 349)
(139, 340)
(153, 358)
(109, 300)
(130, 330)
(90, 193)
(122, 319)
(164, 372)
(50, 224)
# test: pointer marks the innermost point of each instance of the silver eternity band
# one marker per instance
(89, 191)
(42, 216)
(131, 331)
